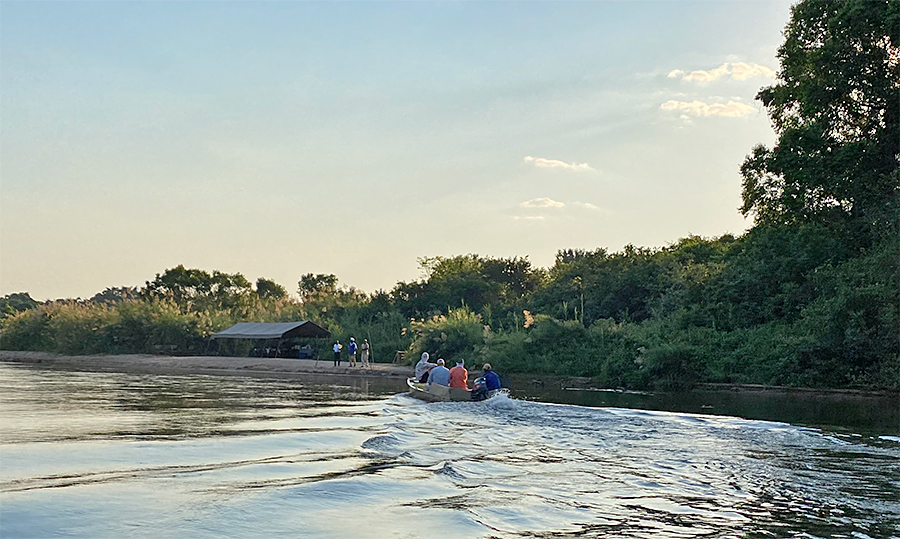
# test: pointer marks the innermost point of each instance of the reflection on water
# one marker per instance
(113, 455)
(852, 412)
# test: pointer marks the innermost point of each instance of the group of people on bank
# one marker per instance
(352, 348)
(457, 377)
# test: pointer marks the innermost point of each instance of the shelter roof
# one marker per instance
(275, 330)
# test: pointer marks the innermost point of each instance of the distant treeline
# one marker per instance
(779, 305)
(810, 296)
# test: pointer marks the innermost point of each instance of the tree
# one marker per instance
(16, 303)
(181, 283)
(195, 289)
(457, 281)
(835, 110)
(266, 289)
(115, 295)
(316, 284)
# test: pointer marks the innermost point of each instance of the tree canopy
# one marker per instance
(835, 109)
(269, 289)
(197, 289)
(311, 285)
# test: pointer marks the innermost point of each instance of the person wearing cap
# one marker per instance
(351, 349)
(364, 353)
(491, 378)
(423, 367)
(337, 353)
(459, 376)
(486, 383)
(439, 375)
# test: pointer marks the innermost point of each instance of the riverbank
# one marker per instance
(838, 410)
(288, 368)
(217, 365)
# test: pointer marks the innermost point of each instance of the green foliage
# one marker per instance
(161, 325)
(765, 275)
(493, 287)
(837, 116)
(130, 326)
(604, 351)
(313, 285)
(452, 336)
(16, 303)
(77, 328)
(115, 295)
(268, 289)
(633, 285)
(855, 321)
(26, 330)
(197, 290)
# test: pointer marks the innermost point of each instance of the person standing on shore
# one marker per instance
(337, 353)
(364, 353)
(351, 348)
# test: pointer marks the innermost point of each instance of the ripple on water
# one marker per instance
(210, 457)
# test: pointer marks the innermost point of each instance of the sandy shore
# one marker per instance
(297, 368)
(238, 366)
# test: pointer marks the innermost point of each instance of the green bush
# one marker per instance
(26, 330)
(674, 366)
(454, 336)
(606, 351)
(79, 328)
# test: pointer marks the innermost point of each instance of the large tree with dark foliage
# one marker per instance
(835, 109)
(16, 303)
(195, 289)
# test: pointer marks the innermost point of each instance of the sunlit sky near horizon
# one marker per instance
(281, 138)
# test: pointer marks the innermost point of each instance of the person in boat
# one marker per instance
(440, 374)
(459, 376)
(487, 382)
(423, 367)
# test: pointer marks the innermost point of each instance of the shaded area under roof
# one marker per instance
(275, 330)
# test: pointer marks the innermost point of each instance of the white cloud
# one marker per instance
(742, 71)
(736, 70)
(541, 162)
(542, 203)
(547, 209)
(585, 205)
(732, 109)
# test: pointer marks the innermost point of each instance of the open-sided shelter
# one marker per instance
(271, 331)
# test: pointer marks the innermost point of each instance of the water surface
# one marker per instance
(104, 455)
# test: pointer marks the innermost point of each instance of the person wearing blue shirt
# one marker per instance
(491, 378)
(488, 382)
(352, 350)
(439, 375)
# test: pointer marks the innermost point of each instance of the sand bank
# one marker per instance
(237, 366)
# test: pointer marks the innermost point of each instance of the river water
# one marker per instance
(107, 455)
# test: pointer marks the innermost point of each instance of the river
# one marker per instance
(110, 455)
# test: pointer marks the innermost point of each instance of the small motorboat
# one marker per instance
(439, 393)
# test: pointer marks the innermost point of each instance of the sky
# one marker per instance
(278, 138)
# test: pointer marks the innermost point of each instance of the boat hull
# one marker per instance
(438, 393)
